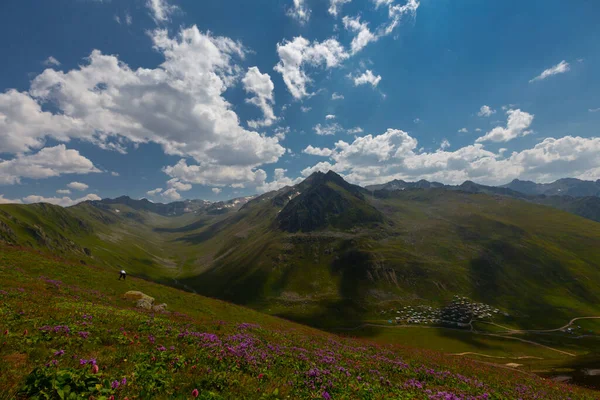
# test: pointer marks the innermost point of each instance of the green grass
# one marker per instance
(204, 347)
(459, 341)
(534, 262)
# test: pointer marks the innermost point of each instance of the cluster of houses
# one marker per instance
(460, 312)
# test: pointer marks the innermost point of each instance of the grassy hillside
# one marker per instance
(69, 333)
(587, 207)
(115, 235)
(537, 264)
(538, 267)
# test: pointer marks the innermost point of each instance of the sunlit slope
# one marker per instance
(118, 236)
(69, 333)
(332, 254)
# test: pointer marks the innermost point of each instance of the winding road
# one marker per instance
(510, 331)
(505, 335)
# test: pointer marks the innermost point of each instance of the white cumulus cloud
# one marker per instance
(48, 162)
(51, 61)
(300, 12)
(517, 125)
(363, 35)
(261, 87)
(382, 2)
(217, 190)
(78, 186)
(154, 192)
(329, 129)
(171, 195)
(59, 201)
(160, 10)
(221, 175)
(335, 6)
(394, 155)
(295, 55)
(367, 77)
(4, 200)
(316, 151)
(279, 181)
(486, 111)
(179, 105)
(179, 186)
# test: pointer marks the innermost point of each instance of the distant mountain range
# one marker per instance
(562, 187)
(174, 208)
(573, 195)
(398, 184)
(327, 252)
(577, 196)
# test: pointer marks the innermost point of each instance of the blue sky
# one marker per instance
(219, 99)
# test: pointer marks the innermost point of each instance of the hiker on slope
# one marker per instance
(123, 275)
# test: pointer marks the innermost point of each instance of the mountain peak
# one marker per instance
(521, 181)
(329, 175)
(326, 199)
(321, 178)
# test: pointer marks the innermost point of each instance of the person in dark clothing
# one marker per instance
(123, 275)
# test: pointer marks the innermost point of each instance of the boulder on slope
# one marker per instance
(135, 295)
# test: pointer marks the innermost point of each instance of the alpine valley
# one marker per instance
(340, 257)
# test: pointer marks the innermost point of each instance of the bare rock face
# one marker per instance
(160, 307)
(135, 295)
(144, 303)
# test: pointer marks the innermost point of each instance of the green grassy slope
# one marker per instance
(587, 207)
(538, 265)
(143, 243)
(525, 258)
(69, 333)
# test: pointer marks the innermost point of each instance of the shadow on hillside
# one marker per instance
(474, 340)
(518, 277)
(186, 228)
(241, 284)
(582, 370)
(342, 315)
(514, 275)
(212, 230)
